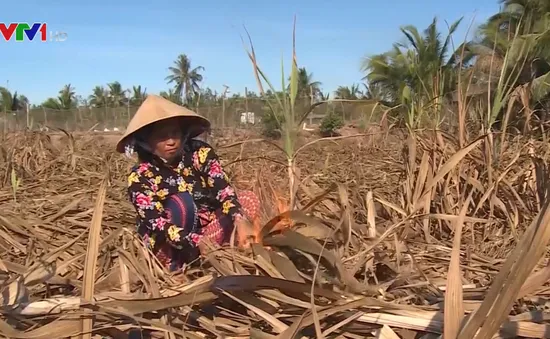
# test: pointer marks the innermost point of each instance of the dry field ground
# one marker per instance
(393, 238)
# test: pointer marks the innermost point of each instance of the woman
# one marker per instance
(178, 188)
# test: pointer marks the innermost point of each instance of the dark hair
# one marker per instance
(143, 154)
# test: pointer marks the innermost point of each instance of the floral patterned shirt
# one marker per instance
(201, 174)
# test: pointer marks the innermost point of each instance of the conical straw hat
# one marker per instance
(155, 108)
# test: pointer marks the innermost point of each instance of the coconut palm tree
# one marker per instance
(52, 103)
(390, 73)
(138, 95)
(12, 102)
(421, 73)
(348, 92)
(306, 85)
(373, 92)
(520, 22)
(528, 18)
(116, 95)
(67, 97)
(185, 78)
(421, 65)
(65, 100)
(99, 97)
(18, 102)
(521, 16)
(514, 44)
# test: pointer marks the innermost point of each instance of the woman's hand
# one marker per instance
(245, 232)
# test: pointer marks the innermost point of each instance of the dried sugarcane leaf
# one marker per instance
(286, 267)
(296, 241)
(254, 283)
(91, 256)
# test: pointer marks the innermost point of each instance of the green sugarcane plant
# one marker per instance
(282, 106)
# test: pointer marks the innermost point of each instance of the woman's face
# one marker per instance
(165, 139)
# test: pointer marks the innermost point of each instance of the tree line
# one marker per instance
(509, 52)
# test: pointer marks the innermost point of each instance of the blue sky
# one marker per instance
(135, 41)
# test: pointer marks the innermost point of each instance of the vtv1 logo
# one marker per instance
(23, 29)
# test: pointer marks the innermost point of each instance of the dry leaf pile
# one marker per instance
(404, 240)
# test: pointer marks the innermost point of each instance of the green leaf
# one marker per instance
(293, 82)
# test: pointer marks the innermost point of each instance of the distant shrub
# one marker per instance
(331, 122)
(270, 125)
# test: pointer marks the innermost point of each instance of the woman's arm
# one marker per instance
(145, 196)
(206, 161)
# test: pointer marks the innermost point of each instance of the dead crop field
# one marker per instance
(396, 235)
